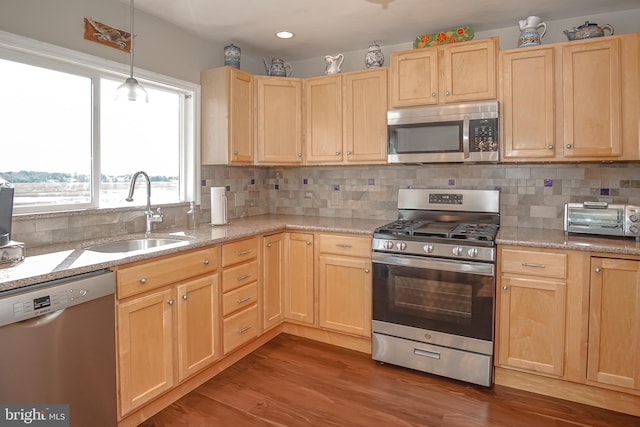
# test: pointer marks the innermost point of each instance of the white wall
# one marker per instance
(166, 49)
(622, 22)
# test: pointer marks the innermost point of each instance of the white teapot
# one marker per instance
(333, 63)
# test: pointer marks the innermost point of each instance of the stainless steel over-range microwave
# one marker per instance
(465, 132)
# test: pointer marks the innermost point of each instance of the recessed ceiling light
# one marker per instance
(284, 34)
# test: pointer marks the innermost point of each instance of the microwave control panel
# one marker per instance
(483, 134)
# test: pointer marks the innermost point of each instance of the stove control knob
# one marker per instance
(458, 250)
(472, 252)
(388, 244)
(428, 248)
(633, 218)
(401, 246)
(634, 229)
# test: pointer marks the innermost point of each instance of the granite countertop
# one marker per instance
(52, 262)
(556, 239)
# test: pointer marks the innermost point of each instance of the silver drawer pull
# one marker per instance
(243, 277)
(529, 264)
(244, 299)
(205, 262)
(343, 245)
(248, 251)
(425, 353)
(143, 280)
(244, 329)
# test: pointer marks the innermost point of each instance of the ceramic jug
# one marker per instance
(333, 63)
(530, 34)
(278, 68)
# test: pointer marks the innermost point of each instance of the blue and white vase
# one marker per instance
(374, 56)
(232, 56)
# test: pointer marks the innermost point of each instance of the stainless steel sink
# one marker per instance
(137, 245)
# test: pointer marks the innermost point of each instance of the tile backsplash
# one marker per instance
(531, 195)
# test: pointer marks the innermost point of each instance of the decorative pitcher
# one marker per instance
(278, 68)
(530, 36)
(333, 63)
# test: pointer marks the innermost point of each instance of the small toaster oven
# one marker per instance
(602, 218)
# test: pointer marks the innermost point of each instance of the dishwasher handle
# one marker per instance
(47, 298)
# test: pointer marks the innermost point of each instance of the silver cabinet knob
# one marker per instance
(268, 245)
(433, 94)
(598, 270)
(348, 153)
(143, 280)
(205, 262)
(505, 288)
(447, 93)
(184, 297)
(235, 152)
(568, 145)
(366, 270)
(337, 153)
(170, 302)
(550, 147)
(308, 243)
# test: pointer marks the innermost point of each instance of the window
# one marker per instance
(66, 144)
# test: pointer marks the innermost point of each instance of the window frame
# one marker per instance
(32, 52)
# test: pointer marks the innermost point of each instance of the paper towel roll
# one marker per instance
(218, 206)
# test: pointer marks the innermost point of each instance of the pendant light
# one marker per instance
(131, 90)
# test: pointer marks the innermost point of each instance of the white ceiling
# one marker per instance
(324, 27)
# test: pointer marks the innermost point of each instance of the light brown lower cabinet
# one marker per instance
(273, 278)
(165, 327)
(344, 284)
(568, 325)
(299, 289)
(614, 323)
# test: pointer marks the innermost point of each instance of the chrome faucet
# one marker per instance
(151, 216)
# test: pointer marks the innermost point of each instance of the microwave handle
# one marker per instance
(465, 136)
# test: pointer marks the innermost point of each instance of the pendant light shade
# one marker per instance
(131, 90)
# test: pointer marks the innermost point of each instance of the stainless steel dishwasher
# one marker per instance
(57, 346)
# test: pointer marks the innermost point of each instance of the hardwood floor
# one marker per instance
(293, 381)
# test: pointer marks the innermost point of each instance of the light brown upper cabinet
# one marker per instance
(345, 118)
(571, 101)
(227, 116)
(449, 73)
(279, 120)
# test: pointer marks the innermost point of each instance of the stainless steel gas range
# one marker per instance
(434, 283)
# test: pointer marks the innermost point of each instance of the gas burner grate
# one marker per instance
(485, 232)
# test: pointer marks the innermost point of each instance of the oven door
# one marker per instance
(445, 296)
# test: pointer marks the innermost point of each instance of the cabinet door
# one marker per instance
(240, 116)
(279, 120)
(299, 278)
(273, 280)
(528, 103)
(197, 309)
(365, 116)
(592, 99)
(227, 116)
(145, 349)
(614, 323)
(344, 300)
(323, 119)
(532, 324)
(413, 78)
(468, 71)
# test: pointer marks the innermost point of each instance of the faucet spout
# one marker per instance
(150, 215)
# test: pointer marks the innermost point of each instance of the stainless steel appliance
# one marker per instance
(465, 132)
(434, 283)
(602, 218)
(58, 347)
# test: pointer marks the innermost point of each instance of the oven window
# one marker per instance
(459, 303)
(427, 138)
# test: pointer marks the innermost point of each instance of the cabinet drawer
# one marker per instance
(242, 250)
(534, 263)
(240, 328)
(239, 298)
(154, 274)
(240, 275)
(345, 245)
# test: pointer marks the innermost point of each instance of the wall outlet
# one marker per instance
(335, 198)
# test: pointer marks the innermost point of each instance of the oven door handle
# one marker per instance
(456, 266)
